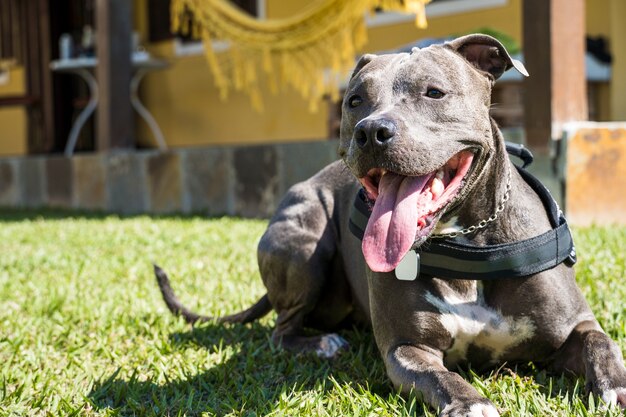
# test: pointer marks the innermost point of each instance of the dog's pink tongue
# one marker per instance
(392, 226)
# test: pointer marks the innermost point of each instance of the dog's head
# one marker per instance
(416, 132)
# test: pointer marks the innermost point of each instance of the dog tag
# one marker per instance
(409, 267)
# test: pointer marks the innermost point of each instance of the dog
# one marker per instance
(440, 202)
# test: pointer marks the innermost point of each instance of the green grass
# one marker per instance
(83, 329)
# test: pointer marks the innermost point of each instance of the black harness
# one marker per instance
(445, 258)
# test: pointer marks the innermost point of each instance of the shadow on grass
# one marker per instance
(256, 379)
(253, 378)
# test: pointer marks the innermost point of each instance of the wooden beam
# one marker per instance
(115, 117)
(35, 52)
(47, 111)
(554, 54)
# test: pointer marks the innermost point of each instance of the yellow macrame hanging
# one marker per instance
(312, 51)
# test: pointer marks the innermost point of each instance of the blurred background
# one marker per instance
(103, 107)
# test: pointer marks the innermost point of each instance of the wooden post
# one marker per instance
(113, 48)
(554, 54)
(46, 78)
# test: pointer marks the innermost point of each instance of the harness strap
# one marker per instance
(451, 260)
(518, 150)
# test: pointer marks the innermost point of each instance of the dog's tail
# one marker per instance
(258, 310)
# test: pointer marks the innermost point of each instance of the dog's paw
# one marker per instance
(614, 397)
(481, 409)
(330, 345)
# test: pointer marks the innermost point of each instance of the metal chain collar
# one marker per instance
(483, 223)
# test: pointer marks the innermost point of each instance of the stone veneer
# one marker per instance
(246, 181)
(243, 181)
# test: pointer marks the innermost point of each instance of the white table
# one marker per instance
(84, 67)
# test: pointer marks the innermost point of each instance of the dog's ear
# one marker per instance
(487, 54)
(363, 61)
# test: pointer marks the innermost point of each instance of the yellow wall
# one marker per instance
(13, 132)
(278, 9)
(188, 108)
(598, 17)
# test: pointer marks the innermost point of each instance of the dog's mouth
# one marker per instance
(407, 208)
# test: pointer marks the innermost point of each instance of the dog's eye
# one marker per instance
(355, 101)
(434, 93)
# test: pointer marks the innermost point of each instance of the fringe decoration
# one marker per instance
(295, 51)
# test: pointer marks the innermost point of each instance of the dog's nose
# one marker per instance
(378, 132)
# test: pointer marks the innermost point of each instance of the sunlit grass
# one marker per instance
(83, 329)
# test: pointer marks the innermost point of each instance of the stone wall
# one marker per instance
(249, 181)
(244, 181)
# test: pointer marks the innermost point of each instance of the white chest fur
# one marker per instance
(471, 322)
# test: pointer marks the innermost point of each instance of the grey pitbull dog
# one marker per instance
(416, 135)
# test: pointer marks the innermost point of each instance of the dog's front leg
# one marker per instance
(421, 369)
(590, 352)
(412, 342)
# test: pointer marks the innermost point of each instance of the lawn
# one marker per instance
(83, 329)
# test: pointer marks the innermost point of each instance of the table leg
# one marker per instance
(87, 111)
(143, 112)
